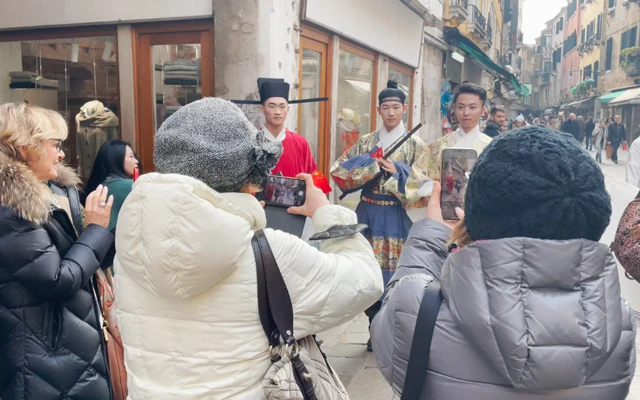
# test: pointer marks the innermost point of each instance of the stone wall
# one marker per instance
(255, 38)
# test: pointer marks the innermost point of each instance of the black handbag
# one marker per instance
(295, 362)
(421, 343)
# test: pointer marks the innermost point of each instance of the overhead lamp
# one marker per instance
(458, 57)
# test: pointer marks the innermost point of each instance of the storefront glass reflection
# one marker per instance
(78, 77)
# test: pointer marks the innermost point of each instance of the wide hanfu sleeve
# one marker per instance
(356, 167)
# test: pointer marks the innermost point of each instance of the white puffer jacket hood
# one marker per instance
(186, 288)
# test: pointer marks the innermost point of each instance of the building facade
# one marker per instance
(483, 50)
(571, 65)
(620, 79)
(557, 59)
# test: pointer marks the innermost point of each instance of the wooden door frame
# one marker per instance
(146, 35)
(398, 67)
(321, 42)
(373, 57)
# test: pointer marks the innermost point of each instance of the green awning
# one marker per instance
(455, 38)
(607, 98)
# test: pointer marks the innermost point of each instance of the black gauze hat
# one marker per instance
(272, 88)
(538, 183)
(392, 93)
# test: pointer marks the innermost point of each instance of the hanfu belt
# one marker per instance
(380, 202)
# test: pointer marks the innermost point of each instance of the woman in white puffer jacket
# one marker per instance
(185, 274)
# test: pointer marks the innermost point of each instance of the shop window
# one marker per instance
(173, 66)
(315, 81)
(356, 101)
(404, 76)
(356, 92)
(177, 78)
(76, 76)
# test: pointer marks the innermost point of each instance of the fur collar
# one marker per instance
(24, 194)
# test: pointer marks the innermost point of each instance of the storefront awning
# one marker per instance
(607, 98)
(577, 104)
(625, 97)
(455, 38)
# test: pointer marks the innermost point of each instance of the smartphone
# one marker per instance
(286, 192)
(456, 167)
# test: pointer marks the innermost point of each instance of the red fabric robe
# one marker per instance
(296, 157)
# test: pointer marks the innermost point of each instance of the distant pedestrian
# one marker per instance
(599, 137)
(588, 132)
(582, 124)
(554, 123)
(494, 125)
(572, 127)
(616, 135)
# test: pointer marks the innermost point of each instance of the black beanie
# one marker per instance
(392, 93)
(538, 183)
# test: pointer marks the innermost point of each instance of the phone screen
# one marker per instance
(281, 191)
(456, 167)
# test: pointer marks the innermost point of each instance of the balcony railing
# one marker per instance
(478, 21)
(459, 9)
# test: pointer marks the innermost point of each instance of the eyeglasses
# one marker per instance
(59, 143)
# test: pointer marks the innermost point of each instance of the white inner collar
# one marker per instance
(389, 138)
(278, 138)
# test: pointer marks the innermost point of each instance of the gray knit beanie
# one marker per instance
(212, 140)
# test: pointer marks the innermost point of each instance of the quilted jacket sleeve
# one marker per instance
(31, 258)
(330, 286)
(393, 327)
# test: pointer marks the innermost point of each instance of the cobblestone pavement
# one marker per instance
(346, 345)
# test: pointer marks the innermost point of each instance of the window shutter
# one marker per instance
(609, 53)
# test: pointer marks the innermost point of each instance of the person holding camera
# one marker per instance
(51, 337)
(185, 271)
(531, 305)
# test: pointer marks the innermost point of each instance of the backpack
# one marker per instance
(626, 245)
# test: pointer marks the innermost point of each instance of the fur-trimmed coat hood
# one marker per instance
(24, 194)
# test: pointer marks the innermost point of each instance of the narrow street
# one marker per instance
(346, 345)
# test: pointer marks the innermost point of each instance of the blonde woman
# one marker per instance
(532, 306)
(51, 345)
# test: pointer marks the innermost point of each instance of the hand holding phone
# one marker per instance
(454, 176)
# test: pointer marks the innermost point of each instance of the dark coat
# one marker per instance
(51, 342)
(616, 133)
(492, 129)
(572, 127)
(588, 131)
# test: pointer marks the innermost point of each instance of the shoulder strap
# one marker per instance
(274, 302)
(421, 344)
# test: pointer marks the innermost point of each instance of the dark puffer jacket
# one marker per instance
(51, 344)
(492, 129)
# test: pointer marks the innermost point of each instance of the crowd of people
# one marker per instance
(606, 135)
(531, 300)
